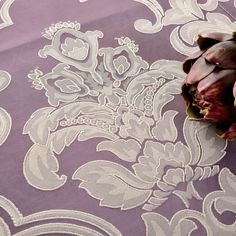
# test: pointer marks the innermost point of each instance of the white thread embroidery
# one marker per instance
(127, 109)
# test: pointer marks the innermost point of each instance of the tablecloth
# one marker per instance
(93, 132)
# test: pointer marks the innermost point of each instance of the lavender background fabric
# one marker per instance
(118, 185)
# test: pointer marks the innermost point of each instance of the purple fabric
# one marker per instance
(19, 47)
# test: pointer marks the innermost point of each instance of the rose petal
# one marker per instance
(219, 113)
(220, 97)
(189, 61)
(200, 69)
(207, 40)
(223, 78)
(214, 103)
(222, 55)
(227, 132)
(220, 92)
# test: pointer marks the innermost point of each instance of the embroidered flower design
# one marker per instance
(122, 101)
(75, 48)
(163, 163)
(122, 62)
(61, 85)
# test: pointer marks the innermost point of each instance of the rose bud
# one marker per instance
(210, 86)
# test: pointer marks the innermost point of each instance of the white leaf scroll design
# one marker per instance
(191, 17)
(184, 11)
(126, 150)
(191, 20)
(204, 153)
(40, 121)
(5, 125)
(4, 229)
(128, 110)
(4, 13)
(184, 222)
(5, 79)
(114, 185)
(64, 137)
(45, 120)
(5, 118)
(165, 128)
(183, 37)
(40, 167)
(144, 25)
(40, 164)
(55, 222)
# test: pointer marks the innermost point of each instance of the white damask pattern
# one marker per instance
(5, 19)
(82, 222)
(5, 118)
(184, 222)
(191, 18)
(114, 94)
(125, 106)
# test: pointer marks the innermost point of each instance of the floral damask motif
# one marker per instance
(76, 48)
(161, 168)
(122, 62)
(67, 85)
(5, 118)
(54, 222)
(128, 109)
(184, 222)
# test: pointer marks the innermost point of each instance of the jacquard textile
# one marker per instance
(94, 139)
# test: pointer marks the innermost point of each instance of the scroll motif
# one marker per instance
(51, 221)
(5, 19)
